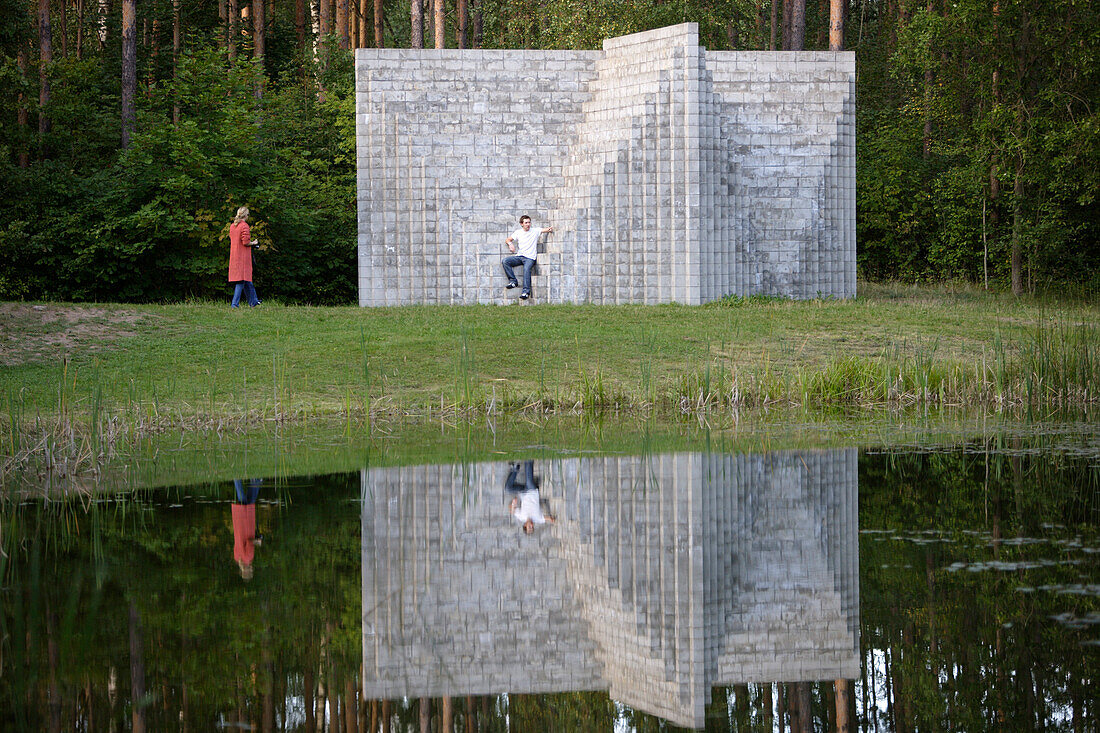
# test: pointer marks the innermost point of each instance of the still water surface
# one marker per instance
(902, 589)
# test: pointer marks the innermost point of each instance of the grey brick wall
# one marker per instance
(664, 576)
(671, 173)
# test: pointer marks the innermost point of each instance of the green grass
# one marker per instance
(201, 364)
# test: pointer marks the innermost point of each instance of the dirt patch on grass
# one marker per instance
(31, 333)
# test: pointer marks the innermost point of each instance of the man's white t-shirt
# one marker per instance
(527, 242)
(529, 508)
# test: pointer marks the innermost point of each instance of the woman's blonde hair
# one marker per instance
(242, 214)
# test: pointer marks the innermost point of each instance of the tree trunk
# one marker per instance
(892, 23)
(479, 24)
(364, 28)
(185, 697)
(353, 26)
(824, 13)
(308, 687)
(929, 77)
(1017, 227)
(774, 24)
(300, 22)
(79, 28)
(234, 19)
(805, 706)
(379, 19)
(363, 707)
(836, 25)
(326, 19)
(798, 24)
(53, 656)
(462, 22)
(438, 24)
(342, 23)
(786, 21)
(416, 13)
(223, 25)
(760, 22)
(101, 24)
(843, 690)
(64, 18)
(175, 57)
(351, 713)
(137, 660)
(22, 116)
(447, 716)
(425, 713)
(259, 42)
(45, 57)
(259, 31)
(152, 43)
(129, 68)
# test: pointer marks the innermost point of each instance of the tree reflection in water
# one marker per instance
(978, 607)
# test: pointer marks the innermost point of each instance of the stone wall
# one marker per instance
(663, 577)
(670, 173)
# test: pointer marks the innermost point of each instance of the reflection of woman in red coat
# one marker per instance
(240, 259)
(245, 538)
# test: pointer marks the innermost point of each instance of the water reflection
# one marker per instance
(245, 537)
(662, 577)
(665, 580)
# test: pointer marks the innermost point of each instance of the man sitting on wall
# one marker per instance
(527, 240)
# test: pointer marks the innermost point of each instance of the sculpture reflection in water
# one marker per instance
(663, 577)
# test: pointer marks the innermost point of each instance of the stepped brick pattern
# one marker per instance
(663, 576)
(670, 173)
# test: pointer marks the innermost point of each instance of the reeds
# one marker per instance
(1057, 365)
(1054, 365)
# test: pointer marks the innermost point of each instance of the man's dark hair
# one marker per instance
(524, 217)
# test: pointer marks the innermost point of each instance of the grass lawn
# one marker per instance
(194, 361)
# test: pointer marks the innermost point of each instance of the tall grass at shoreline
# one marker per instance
(1055, 367)
(198, 367)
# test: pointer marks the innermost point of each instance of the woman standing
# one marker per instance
(240, 259)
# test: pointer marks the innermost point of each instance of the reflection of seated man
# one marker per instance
(245, 538)
(516, 483)
(526, 506)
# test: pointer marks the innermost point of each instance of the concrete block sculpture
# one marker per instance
(670, 173)
(663, 576)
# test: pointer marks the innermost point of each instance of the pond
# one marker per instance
(576, 584)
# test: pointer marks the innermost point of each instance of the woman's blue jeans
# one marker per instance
(246, 287)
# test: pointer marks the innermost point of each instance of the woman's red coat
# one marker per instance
(240, 254)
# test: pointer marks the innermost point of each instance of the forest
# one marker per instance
(133, 129)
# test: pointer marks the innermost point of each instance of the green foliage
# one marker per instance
(1010, 152)
(979, 135)
(208, 634)
(87, 221)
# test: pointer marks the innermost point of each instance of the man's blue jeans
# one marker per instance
(248, 289)
(515, 261)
